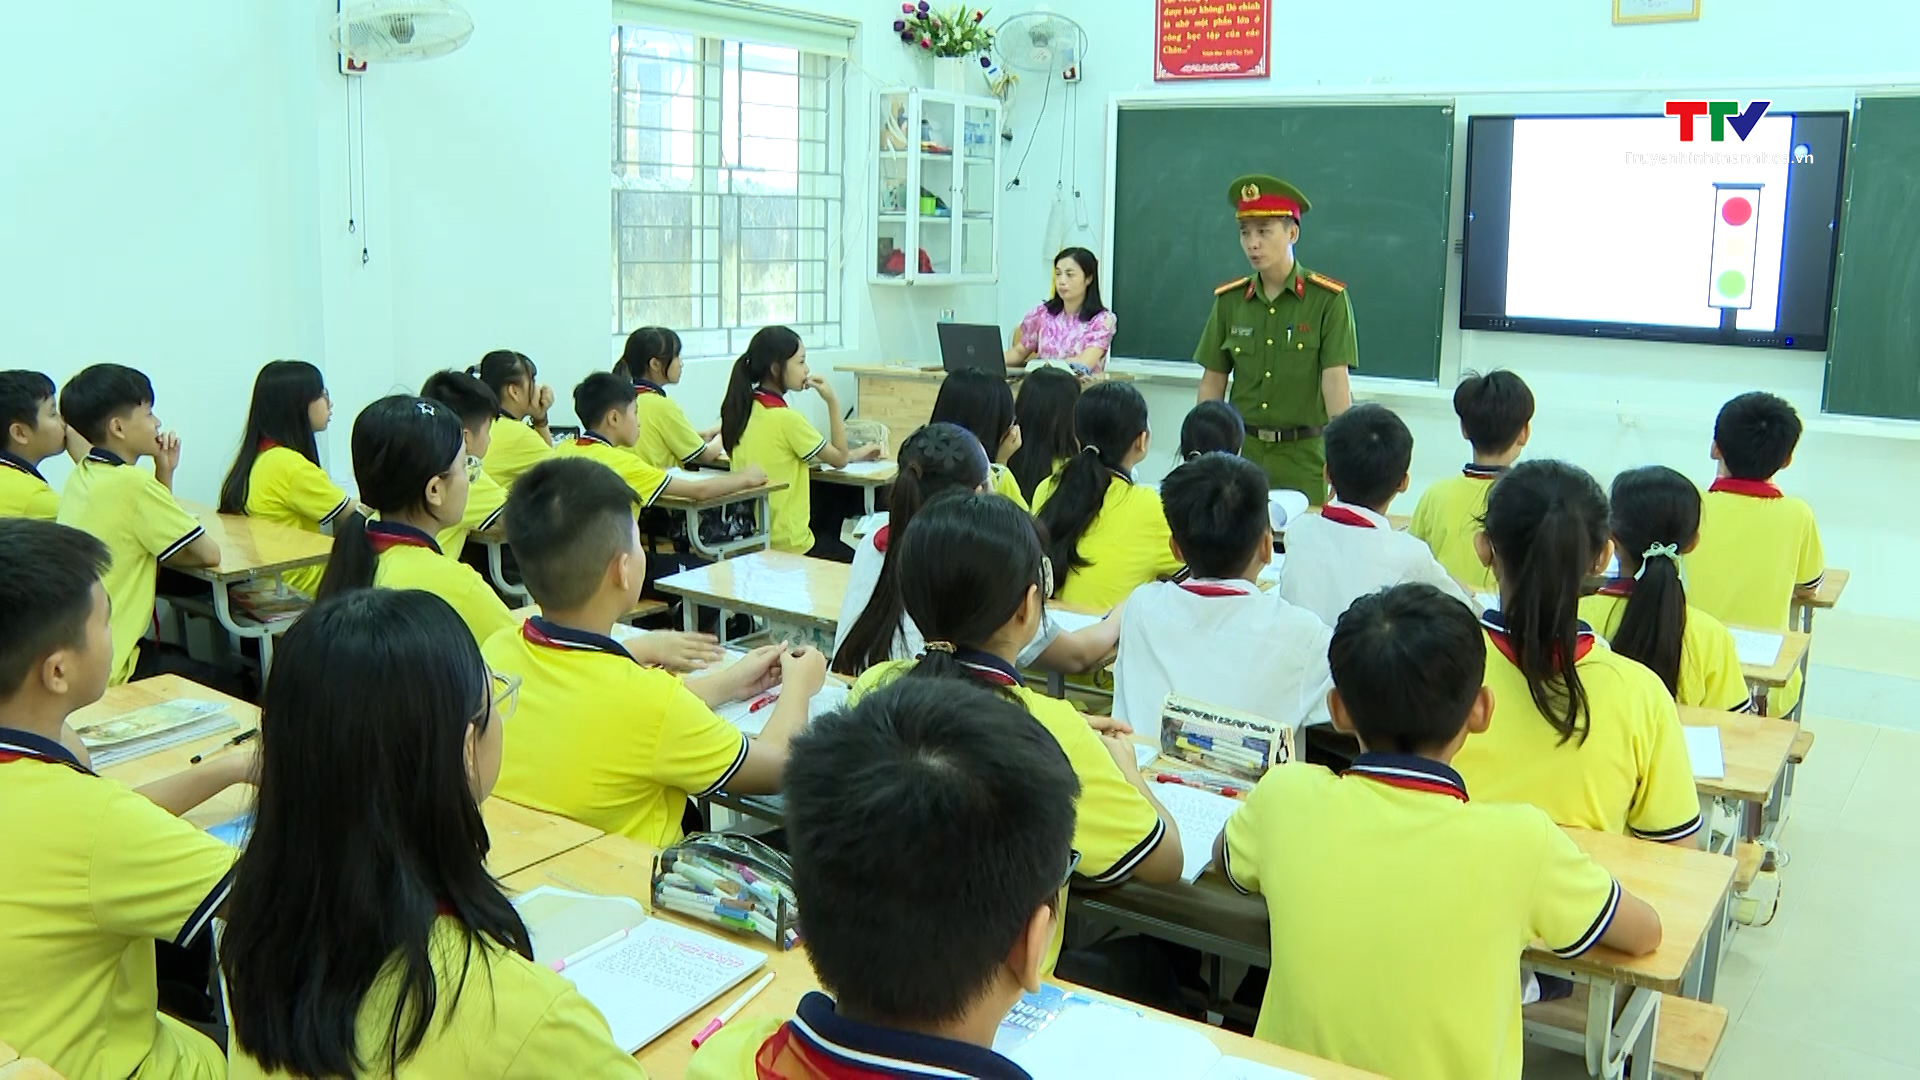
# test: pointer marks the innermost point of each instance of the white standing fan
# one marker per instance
(372, 31)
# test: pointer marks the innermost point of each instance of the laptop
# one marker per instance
(964, 346)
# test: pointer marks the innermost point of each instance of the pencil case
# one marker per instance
(1231, 743)
(730, 881)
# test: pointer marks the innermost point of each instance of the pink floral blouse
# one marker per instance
(1063, 337)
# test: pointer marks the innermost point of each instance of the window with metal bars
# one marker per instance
(727, 189)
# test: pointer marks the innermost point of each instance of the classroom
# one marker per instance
(557, 571)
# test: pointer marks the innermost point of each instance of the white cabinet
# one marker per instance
(936, 189)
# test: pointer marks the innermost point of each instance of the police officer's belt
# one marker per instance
(1292, 434)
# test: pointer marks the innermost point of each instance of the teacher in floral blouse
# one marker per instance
(1074, 328)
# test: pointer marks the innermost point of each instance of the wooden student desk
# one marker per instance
(1754, 749)
(1792, 653)
(521, 836)
(868, 476)
(252, 550)
(690, 510)
(792, 592)
(615, 865)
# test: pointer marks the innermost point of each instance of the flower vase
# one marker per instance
(954, 74)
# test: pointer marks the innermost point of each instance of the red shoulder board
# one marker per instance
(1231, 285)
(1326, 282)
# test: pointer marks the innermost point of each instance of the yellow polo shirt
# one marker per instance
(1001, 481)
(485, 500)
(95, 874)
(134, 514)
(1115, 826)
(1754, 551)
(781, 441)
(24, 493)
(515, 449)
(1448, 517)
(1127, 546)
(1400, 911)
(602, 740)
(667, 437)
(1631, 775)
(1710, 675)
(511, 1019)
(287, 489)
(646, 481)
(415, 561)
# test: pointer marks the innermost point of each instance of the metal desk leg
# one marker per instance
(869, 491)
(497, 570)
(1611, 1041)
(689, 618)
(223, 611)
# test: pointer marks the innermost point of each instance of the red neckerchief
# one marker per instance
(589, 438)
(1215, 588)
(26, 746)
(1758, 489)
(268, 444)
(1340, 515)
(1482, 472)
(1620, 586)
(642, 386)
(1496, 626)
(771, 401)
(882, 537)
(386, 535)
(988, 667)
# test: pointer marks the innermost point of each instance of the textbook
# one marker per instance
(645, 975)
(1059, 1035)
(135, 734)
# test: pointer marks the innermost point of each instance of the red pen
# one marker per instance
(762, 701)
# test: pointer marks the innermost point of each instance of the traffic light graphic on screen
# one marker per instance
(1736, 230)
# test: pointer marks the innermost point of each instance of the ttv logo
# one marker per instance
(1724, 114)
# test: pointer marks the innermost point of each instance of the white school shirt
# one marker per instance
(1222, 642)
(1345, 552)
(864, 574)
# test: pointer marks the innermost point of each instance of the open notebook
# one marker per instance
(1056, 1035)
(751, 716)
(645, 975)
(1201, 816)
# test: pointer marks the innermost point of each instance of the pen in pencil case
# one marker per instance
(1209, 742)
(1224, 751)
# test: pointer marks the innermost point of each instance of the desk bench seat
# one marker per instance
(1685, 1045)
(1802, 743)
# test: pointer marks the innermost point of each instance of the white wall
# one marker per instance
(1606, 405)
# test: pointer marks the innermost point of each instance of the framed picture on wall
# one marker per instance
(1630, 12)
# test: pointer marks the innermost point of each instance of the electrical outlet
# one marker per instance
(946, 314)
(1071, 74)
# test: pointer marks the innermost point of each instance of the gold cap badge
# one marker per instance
(1250, 192)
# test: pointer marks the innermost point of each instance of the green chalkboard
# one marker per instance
(1379, 177)
(1873, 348)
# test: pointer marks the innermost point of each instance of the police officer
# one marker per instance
(1285, 334)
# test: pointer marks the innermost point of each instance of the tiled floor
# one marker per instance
(1829, 989)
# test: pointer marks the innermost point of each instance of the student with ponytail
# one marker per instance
(757, 428)
(973, 579)
(936, 461)
(1644, 613)
(521, 437)
(276, 476)
(1044, 411)
(1595, 742)
(652, 362)
(410, 460)
(983, 404)
(1106, 535)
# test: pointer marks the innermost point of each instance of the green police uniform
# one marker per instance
(1275, 348)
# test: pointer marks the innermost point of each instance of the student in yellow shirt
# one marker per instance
(473, 402)
(1044, 411)
(130, 509)
(1644, 615)
(1596, 743)
(521, 438)
(610, 413)
(276, 476)
(1106, 535)
(34, 432)
(758, 428)
(410, 460)
(931, 830)
(1212, 427)
(1758, 545)
(95, 873)
(973, 578)
(365, 935)
(1496, 418)
(1420, 901)
(983, 404)
(602, 739)
(652, 362)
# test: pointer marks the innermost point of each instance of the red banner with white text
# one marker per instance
(1211, 39)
